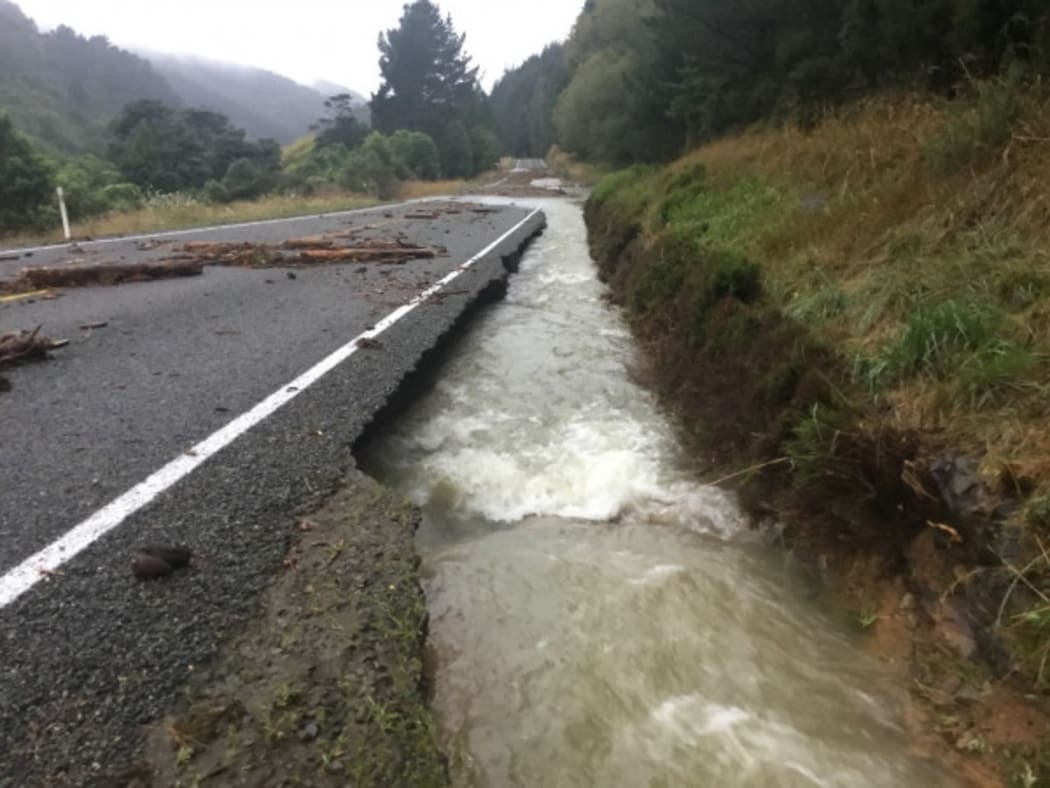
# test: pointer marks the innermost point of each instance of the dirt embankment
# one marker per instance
(874, 400)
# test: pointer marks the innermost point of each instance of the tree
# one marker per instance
(457, 151)
(486, 147)
(342, 126)
(429, 85)
(372, 168)
(523, 103)
(418, 153)
(161, 148)
(25, 182)
(244, 180)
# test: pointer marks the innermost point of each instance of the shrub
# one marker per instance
(122, 197)
(418, 153)
(979, 131)
(244, 180)
(372, 168)
(215, 192)
(486, 147)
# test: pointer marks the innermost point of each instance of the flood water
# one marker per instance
(597, 617)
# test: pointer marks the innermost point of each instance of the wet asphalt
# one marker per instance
(89, 657)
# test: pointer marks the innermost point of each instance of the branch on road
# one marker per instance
(25, 346)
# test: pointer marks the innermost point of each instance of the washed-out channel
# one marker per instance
(598, 617)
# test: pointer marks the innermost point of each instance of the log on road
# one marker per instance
(106, 274)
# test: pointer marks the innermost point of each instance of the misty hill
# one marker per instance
(263, 103)
(63, 88)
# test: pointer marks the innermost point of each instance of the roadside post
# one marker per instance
(64, 212)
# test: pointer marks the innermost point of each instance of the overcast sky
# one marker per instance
(309, 40)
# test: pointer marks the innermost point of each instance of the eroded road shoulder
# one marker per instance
(92, 658)
(326, 687)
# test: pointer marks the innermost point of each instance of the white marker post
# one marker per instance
(64, 212)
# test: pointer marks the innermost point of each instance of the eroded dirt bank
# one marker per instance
(914, 536)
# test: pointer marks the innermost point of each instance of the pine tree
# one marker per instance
(429, 84)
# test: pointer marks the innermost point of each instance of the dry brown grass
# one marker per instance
(178, 212)
(867, 163)
(889, 227)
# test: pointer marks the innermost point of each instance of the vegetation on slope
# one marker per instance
(859, 313)
(432, 122)
(63, 89)
(646, 80)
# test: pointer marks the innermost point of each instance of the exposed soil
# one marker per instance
(902, 532)
(326, 685)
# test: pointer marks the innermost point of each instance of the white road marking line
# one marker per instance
(24, 576)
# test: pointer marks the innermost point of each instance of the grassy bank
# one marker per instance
(865, 306)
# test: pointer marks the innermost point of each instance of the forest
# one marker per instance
(100, 122)
(636, 81)
(643, 80)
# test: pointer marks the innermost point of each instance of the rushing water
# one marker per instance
(597, 618)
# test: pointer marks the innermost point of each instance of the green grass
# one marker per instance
(965, 341)
(812, 450)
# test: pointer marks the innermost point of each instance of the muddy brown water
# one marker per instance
(598, 617)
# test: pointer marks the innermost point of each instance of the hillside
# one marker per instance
(261, 102)
(62, 88)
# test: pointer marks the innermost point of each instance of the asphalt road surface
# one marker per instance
(530, 165)
(88, 654)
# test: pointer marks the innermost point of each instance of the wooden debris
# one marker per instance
(155, 561)
(93, 326)
(148, 567)
(312, 250)
(109, 274)
(177, 556)
(311, 242)
(29, 294)
(25, 346)
(242, 254)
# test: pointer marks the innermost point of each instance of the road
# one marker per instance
(530, 165)
(208, 411)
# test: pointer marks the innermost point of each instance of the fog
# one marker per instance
(308, 40)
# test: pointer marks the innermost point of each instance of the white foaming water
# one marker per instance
(590, 623)
(536, 415)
